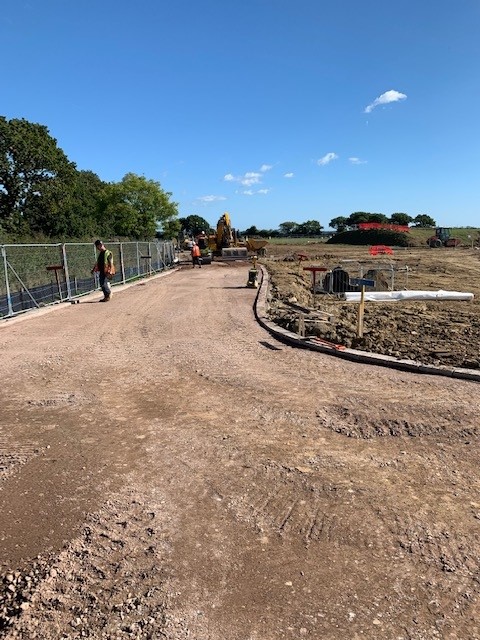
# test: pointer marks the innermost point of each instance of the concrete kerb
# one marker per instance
(261, 310)
(117, 288)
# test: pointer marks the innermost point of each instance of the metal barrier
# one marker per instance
(37, 275)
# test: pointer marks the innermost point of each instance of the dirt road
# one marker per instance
(171, 471)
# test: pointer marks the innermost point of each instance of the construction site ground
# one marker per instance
(170, 470)
(440, 333)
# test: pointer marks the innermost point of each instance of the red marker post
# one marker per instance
(314, 271)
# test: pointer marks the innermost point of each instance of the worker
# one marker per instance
(202, 240)
(105, 269)
(196, 256)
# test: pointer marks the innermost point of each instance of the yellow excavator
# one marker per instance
(225, 243)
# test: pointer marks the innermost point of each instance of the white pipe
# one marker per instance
(396, 296)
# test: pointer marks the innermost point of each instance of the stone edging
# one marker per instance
(355, 355)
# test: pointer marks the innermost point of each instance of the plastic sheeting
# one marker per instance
(398, 296)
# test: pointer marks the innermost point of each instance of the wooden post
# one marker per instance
(301, 325)
(361, 309)
(361, 282)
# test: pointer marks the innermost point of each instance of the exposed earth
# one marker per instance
(170, 470)
(445, 333)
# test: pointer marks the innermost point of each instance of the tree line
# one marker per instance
(339, 224)
(44, 195)
(194, 224)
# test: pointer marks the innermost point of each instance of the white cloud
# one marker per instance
(252, 177)
(385, 98)
(327, 158)
(250, 192)
(211, 198)
(248, 178)
(288, 175)
(357, 161)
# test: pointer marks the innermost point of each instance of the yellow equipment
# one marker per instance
(252, 281)
(254, 245)
(224, 243)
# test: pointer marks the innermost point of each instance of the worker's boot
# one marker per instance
(106, 298)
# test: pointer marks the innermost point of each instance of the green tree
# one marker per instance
(36, 179)
(193, 225)
(377, 217)
(422, 220)
(309, 228)
(339, 224)
(288, 228)
(170, 229)
(358, 216)
(401, 218)
(136, 207)
(84, 207)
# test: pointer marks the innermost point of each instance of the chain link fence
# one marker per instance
(37, 275)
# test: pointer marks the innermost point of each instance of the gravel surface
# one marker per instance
(169, 470)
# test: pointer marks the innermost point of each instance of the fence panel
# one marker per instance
(31, 277)
(36, 275)
(80, 259)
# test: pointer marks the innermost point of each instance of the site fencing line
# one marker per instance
(37, 275)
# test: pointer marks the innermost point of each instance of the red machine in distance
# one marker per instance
(442, 238)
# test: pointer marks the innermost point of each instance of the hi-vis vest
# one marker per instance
(107, 268)
(196, 251)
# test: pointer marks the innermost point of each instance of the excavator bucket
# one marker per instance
(254, 244)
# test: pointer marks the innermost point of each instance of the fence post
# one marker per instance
(138, 260)
(7, 285)
(160, 253)
(95, 274)
(65, 272)
(122, 264)
(164, 254)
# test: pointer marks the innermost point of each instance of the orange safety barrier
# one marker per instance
(380, 249)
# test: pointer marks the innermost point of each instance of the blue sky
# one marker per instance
(271, 110)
